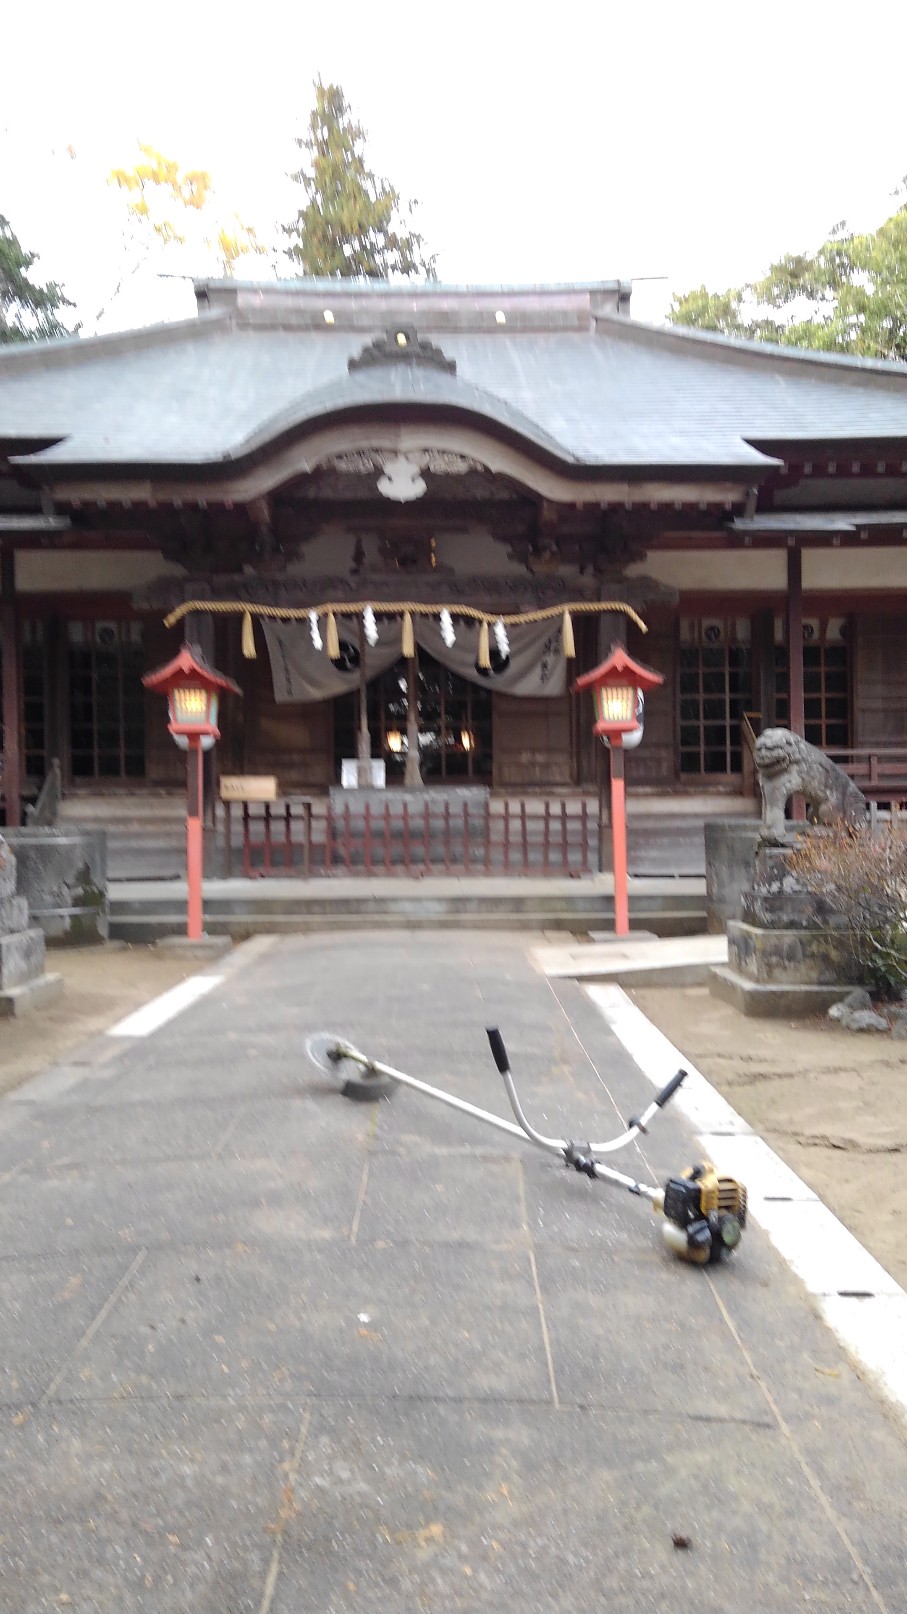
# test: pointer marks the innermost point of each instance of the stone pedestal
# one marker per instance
(62, 874)
(24, 985)
(789, 954)
(730, 855)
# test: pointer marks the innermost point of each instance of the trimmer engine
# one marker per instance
(704, 1214)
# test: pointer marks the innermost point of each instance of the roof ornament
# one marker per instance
(402, 480)
(401, 476)
(401, 344)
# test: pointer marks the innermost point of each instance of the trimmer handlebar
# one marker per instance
(498, 1051)
(670, 1088)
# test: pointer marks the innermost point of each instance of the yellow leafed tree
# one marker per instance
(157, 191)
(159, 197)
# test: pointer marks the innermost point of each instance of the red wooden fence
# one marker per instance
(534, 836)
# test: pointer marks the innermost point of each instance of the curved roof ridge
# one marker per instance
(385, 384)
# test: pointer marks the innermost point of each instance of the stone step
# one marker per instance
(407, 904)
(147, 927)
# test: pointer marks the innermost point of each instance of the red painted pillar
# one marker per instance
(194, 841)
(619, 839)
(9, 659)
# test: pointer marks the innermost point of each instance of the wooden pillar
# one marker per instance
(9, 657)
(795, 708)
(763, 631)
(795, 717)
(363, 738)
(198, 630)
(412, 773)
(612, 630)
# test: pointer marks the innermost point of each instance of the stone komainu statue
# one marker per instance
(788, 766)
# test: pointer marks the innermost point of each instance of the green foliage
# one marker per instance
(864, 877)
(850, 296)
(353, 223)
(27, 311)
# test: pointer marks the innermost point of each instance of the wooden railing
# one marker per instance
(46, 808)
(879, 771)
(750, 729)
(310, 837)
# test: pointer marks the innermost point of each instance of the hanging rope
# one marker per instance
(410, 608)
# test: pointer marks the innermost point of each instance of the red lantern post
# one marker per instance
(616, 686)
(193, 690)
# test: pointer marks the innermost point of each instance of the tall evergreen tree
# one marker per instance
(353, 223)
(27, 311)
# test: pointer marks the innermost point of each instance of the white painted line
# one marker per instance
(863, 1304)
(658, 1059)
(160, 1010)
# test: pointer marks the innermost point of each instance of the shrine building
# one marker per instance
(736, 514)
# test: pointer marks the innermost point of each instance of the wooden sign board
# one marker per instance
(248, 787)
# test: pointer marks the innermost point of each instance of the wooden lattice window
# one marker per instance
(826, 681)
(106, 700)
(715, 684)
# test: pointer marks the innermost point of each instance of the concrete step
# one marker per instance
(253, 900)
(147, 909)
(139, 927)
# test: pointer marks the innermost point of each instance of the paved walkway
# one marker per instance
(264, 1351)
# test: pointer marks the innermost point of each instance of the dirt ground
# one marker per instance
(832, 1103)
(102, 985)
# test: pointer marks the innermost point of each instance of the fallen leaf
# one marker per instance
(369, 1333)
(20, 1419)
(682, 1543)
(174, 1540)
(71, 1287)
(829, 1372)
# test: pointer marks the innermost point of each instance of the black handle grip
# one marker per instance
(498, 1051)
(671, 1088)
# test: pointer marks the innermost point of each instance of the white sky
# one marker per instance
(566, 142)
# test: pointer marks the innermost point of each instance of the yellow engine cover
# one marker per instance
(716, 1193)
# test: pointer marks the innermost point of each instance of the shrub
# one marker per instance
(863, 874)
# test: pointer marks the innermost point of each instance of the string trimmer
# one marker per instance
(703, 1214)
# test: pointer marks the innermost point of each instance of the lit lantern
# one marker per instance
(618, 688)
(193, 690)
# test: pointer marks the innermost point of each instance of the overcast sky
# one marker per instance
(560, 142)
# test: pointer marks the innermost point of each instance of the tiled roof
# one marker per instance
(612, 394)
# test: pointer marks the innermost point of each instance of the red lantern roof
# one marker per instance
(619, 668)
(189, 666)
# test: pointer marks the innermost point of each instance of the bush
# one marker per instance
(863, 874)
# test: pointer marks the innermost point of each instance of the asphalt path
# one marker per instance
(264, 1350)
